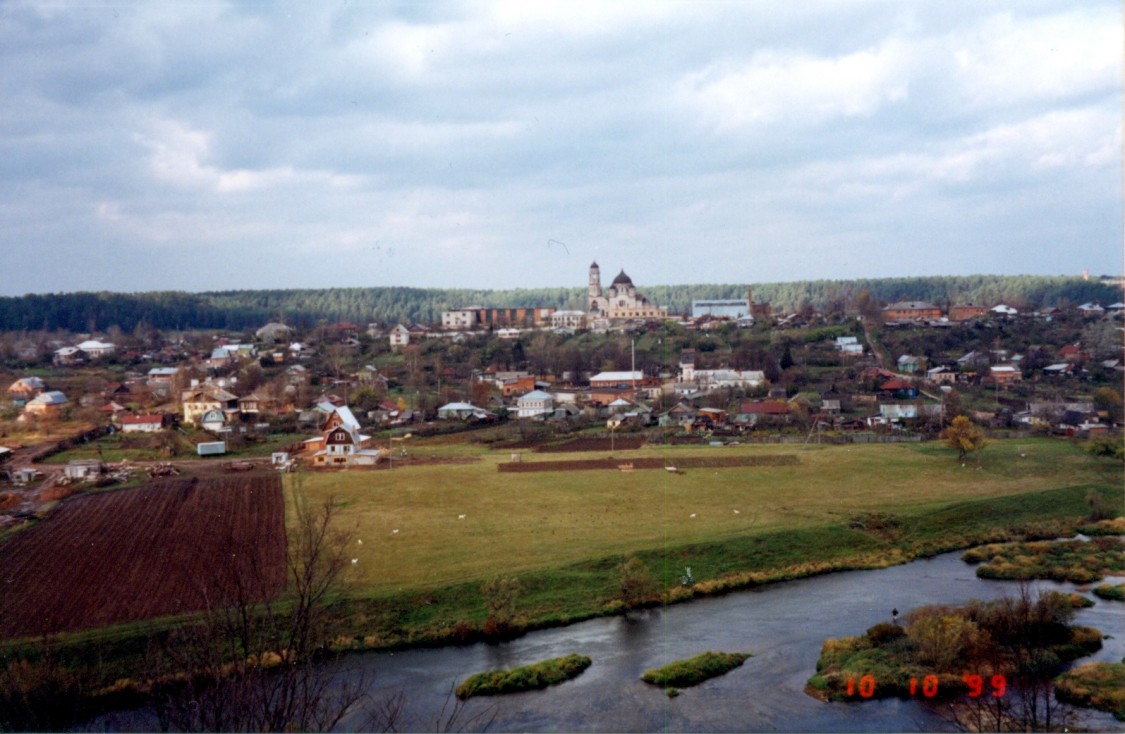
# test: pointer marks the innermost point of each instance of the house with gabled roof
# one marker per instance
(681, 414)
(1091, 310)
(899, 388)
(762, 412)
(535, 403)
(47, 404)
(67, 356)
(25, 389)
(908, 363)
(399, 336)
(941, 375)
(341, 442)
(200, 399)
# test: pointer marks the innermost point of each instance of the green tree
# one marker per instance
(965, 436)
(637, 584)
(500, 596)
(1109, 400)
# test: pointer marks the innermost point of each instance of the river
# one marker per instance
(781, 625)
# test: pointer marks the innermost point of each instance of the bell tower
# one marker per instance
(594, 289)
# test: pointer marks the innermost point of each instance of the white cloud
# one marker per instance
(463, 136)
(1000, 155)
(795, 88)
(179, 155)
(1006, 60)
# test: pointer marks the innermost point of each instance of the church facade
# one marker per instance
(620, 300)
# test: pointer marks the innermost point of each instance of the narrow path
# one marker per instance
(876, 350)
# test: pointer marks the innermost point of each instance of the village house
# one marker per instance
(573, 320)
(909, 364)
(68, 356)
(340, 442)
(25, 389)
(251, 404)
(762, 413)
(146, 423)
(829, 407)
(464, 412)
(681, 414)
(714, 379)
(95, 349)
(941, 375)
(711, 417)
(162, 376)
(616, 379)
(849, 346)
(1091, 310)
(1005, 374)
(399, 336)
(898, 388)
(1059, 369)
(47, 404)
(896, 413)
(200, 399)
(535, 403)
(600, 397)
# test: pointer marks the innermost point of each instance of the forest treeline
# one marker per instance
(246, 309)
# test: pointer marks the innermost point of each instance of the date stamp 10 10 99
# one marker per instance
(975, 685)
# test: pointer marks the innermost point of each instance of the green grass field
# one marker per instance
(415, 538)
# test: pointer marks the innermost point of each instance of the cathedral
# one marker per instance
(620, 300)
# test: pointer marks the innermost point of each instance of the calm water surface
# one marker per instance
(782, 625)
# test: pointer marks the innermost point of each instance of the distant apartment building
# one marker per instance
(966, 311)
(474, 317)
(727, 309)
(911, 311)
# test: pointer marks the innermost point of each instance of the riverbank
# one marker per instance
(804, 522)
(783, 625)
(557, 597)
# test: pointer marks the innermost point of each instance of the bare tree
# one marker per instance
(251, 660)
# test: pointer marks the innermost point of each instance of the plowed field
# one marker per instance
(160, 549)
(683, 462)
(625, 443)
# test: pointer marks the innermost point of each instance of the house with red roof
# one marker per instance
(147, 423)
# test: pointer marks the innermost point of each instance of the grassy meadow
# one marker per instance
(432, 526)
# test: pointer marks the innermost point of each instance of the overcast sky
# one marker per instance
(204, 146)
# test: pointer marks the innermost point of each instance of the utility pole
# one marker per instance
(633, 365)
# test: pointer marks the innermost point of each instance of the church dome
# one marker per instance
(622, 279)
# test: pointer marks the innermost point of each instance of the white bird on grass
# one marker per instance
(692, 515)
(460, 517)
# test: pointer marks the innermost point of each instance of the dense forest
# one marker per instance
(90, 312)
